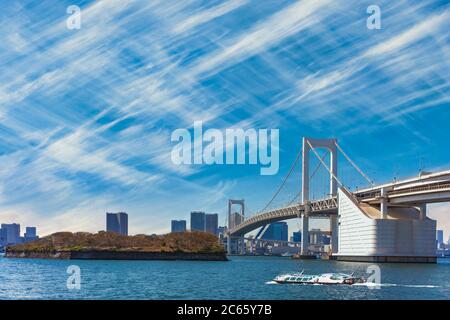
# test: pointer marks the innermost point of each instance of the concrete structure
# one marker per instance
(317, 236)
(308, 145)
(11, 233)
(212, 223)
(237, 217)
(367, 234)
(235, 245)
(178, 226)
(197, 221)
(117, 222)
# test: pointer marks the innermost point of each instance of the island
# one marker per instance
(113, 246)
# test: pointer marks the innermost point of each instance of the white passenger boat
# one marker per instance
(325, 278)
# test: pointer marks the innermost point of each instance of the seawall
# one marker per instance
(117, 255)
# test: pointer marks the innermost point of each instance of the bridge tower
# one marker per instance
(233, 220)
(330, 145)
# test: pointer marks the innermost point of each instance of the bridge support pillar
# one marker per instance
(242, 246)
(229, 244)
(305, 234)
(423, 211)
(334, 234)
(383, 204)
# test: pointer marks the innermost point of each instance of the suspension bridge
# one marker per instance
(386, 222)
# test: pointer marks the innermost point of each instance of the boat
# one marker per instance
(287, 254)
(325, 278)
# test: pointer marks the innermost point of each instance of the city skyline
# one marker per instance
(275, 231)
(86, 119)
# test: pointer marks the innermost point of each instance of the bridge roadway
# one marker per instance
(427, 188)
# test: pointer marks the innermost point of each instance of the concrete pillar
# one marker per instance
(228, 244)
(305, 231)
(333, 168)
(383, 204)
(329, 144)
(305, 171)
(242, 243)
(423, 211)
(334, 226)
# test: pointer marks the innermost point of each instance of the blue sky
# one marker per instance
(86, 115)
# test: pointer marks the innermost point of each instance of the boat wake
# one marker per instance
(371, 284)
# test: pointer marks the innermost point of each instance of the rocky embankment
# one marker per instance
(117, 255)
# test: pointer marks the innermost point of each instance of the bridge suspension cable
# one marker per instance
(310, 178)
(284, 181)
(354, 165)
(323, 163)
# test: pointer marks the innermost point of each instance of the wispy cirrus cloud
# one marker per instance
(86, 115)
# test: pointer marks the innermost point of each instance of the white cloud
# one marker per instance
(426, 28)
(288, 21)
(207, 15)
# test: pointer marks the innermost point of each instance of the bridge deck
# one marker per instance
(412, 192)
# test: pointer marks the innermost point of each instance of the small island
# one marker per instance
(114, 246)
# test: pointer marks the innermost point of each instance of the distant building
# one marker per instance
(221, 233)
(197, 221)
(235, 219)
(297, 236)
(439, 239)
(276, 231)
(30, 234)
(10, 233)
(2, 237)
(221, 230)
(211, 223)
(117, 222)
(178, 226)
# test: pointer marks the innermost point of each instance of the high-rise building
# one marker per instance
(11, 233)
(297, 236)
(2, 237)
(178, 226)
(197, 221)
(439, 238)
(117, 222)
(276, 231)
(211, 223)
(30, 234)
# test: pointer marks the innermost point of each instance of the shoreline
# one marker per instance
(117, 255)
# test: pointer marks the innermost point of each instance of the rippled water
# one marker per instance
(240, 278)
